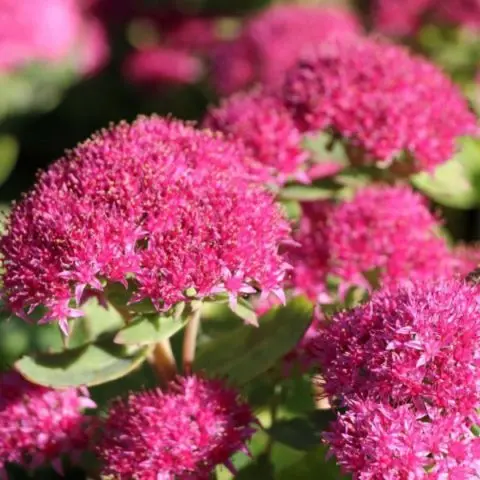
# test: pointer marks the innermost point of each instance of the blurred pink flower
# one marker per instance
(34, 31)
(161, 64)
(272, 41)
(38, 425)
(387, 104)
(183, 433)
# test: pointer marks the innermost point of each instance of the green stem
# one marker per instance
(190, 341)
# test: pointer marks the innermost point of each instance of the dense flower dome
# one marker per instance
(271, 42)
(388, 228)
(170, 209)
(418, 344)
(466, 259)
(37, 31)
(387, 104)
(377, 441)
(183, 433)
(263, 124)
(39, 425)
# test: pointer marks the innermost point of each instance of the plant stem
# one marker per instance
(190, 341)
(163, 361)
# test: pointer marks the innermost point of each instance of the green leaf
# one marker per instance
(260, 469)
(312, 465)
(456, 183)
(149, 329)
(247, 352)
(306, 193)
(8, 156)
(302, 433)
(89, 365)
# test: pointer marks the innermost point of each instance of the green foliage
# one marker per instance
(92, 364)
(246, 352)
(457, 182)
(8, 156)
(148, 329)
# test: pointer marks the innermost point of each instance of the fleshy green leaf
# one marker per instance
(8, 156)
(302, 433)
(90, 365)
(306, 193)
(312, 465)
(246, 352)
(456, 183)
(150, 329)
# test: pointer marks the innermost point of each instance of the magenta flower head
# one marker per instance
(383, 228)
(260, 120)
(377, 441)
(271, 42)
(168, 211)
(418, 343)
(38, 425)
(385, 103)
(37, 31)
(184, 433)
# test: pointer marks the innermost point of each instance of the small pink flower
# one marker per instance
(167, 206)
(388, 106)
(39, 425)
(183, 433)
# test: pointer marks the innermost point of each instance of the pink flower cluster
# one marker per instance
(407, 17)
(170, 209)
(265, 126)
(406, 367)
(50, 30)
(377, 441)
(271, 41)
(39, 425)
(388, 105)
(184, 433)
(371, 231)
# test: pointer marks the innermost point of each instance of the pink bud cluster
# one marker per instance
(271, 42)
(183, 433)
(158, 204)
(388, 105)
(406, 367)
(38, 426)
(371, 231)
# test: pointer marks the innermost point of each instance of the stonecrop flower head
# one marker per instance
(38, 425)
(385, 103)
(384, 228)
(264, 125)
(183, 433)
(169, 211)
(417, 344)
(271, 42)
(37, 31)
(377, 441)
(466, 259)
